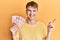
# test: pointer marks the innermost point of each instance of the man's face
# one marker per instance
(31, 12)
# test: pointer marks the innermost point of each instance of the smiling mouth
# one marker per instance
(31, 16)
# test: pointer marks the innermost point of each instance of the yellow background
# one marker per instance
(48, 10)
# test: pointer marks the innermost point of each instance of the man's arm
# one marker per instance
(15, 34)
(47, 37)
(49, 28)
(15, 37)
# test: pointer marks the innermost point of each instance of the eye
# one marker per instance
(29, 10)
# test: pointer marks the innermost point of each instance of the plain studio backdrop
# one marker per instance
(47, 11)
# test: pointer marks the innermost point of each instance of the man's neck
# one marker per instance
(33, 21)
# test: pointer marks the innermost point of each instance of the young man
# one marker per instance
(32, 29)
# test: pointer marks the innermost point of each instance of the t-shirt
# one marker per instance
(32, 32)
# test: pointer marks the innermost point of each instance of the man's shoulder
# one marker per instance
(40, 22)
(42, 25)
(24, 23)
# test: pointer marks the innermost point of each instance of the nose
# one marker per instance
(31, 12)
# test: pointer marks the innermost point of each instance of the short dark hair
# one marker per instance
(32, 4)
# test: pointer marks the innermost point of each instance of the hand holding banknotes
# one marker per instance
(17, 21)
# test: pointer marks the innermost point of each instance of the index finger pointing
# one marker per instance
(53, 20)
